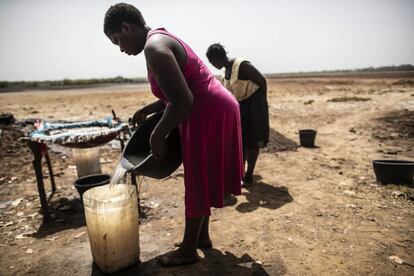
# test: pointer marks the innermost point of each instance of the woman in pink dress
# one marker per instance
(206, 113)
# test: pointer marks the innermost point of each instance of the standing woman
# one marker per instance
(206, 113)
(249, 87)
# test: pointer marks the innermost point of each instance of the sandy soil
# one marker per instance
(311, 211)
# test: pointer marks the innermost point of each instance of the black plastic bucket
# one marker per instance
(90, 181)
(394, 171)
(307, 138)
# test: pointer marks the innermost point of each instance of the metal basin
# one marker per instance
(137, 155)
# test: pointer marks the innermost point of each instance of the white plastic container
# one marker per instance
(111, 213)
(87, 161)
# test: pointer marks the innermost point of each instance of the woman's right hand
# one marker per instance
(139, 116)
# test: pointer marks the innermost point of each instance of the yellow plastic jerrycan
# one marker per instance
(111, 213)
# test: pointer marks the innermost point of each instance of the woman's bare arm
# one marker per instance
(154, 107)
(164, 67)
(248, 70)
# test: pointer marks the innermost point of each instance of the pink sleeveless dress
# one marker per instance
(210, 137)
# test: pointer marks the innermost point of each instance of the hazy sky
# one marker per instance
(56, 39)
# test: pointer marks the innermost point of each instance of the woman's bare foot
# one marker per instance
(178, 257)
(247, 181)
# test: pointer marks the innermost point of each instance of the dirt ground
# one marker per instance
(315, 211)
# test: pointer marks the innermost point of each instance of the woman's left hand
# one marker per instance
(158, 146)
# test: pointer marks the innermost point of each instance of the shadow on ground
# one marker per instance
(64, 214)
(264, 195)
(215, 262)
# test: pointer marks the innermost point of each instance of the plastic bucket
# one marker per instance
(111, 213)
(94, 180)
(307, 138)
(87, 161)
(394, 171)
